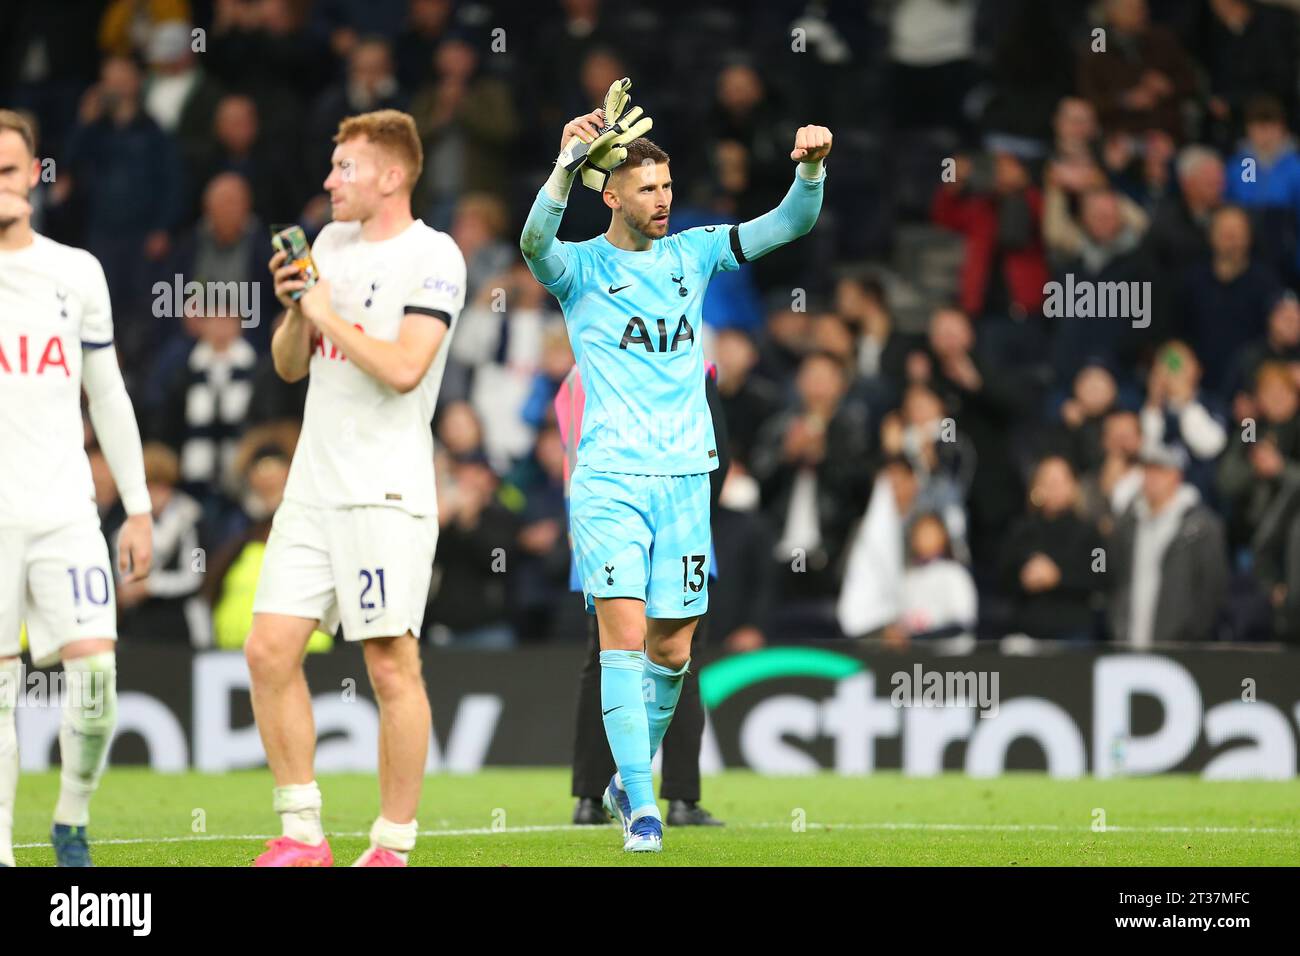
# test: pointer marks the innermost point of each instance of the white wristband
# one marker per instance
(812, 170)
(559, 183)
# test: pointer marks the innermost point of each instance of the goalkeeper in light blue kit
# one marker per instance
(639, 496)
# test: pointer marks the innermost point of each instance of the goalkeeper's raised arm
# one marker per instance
(545, 256)
(595, 147)
(799, 209)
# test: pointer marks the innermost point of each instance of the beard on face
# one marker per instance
(642, 226)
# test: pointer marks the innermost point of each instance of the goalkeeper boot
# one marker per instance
(285, 851)
(645, 835)
(70, 846)
(617, 805)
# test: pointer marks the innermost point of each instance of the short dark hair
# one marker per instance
(641, 149)
(1264, 108)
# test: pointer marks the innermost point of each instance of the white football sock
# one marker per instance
(299, 807)
(10, 682)
(89, 718)
(397, 838)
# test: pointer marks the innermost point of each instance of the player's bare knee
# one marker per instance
(394, 668)
(267, 657)
(668, 643)
(255, 652)
(621, 633)
(670, 654)
(624, 639)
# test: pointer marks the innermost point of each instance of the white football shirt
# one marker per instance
(53, 302)
(364, 443)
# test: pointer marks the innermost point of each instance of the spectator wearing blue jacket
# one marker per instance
(1264, 176)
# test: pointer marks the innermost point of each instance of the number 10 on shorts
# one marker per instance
(92, 583)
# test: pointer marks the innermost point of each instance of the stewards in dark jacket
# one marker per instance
(1050, 559)
(1168, 559)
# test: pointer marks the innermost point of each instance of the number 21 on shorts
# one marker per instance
(369, 580)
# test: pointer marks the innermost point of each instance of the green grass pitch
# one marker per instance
(521, 818)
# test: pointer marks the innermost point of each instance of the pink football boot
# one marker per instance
(288, 852)
(378, 856)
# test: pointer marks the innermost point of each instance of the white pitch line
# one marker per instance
(573, 828)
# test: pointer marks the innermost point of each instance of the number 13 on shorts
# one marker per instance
(694, 573)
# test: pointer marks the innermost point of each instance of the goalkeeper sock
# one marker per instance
(622, 708)
(299, 807)
(89, 718)
(661, 703)
(10, 679)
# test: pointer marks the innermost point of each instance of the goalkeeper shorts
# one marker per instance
(644, 537)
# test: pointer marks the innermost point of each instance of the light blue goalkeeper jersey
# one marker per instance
(635, 323)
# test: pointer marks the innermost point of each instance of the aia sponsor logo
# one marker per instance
(638, 335)
(27, 355)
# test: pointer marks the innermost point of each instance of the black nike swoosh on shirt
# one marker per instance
(606, 713)
(613, 290)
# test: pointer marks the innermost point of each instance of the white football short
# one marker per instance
(61, 583)
(366, 567)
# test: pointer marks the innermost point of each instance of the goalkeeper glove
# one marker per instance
(616, 98)
(609, 150)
